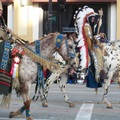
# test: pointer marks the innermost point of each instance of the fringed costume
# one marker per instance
(85, 43)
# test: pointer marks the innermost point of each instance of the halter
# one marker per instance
(59, 40)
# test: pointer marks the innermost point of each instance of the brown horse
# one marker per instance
(28, 69)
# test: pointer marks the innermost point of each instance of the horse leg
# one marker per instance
(26, 108)
(18, 112)
(62, 84)
(49, 81)
(106, 87)
(27, 101)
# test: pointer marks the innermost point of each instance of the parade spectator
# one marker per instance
(72, 76)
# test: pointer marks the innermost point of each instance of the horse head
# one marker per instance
(66, 48)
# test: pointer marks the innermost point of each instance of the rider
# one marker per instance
(97, 54)
(4, 32)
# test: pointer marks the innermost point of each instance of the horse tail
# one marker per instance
(15, 84)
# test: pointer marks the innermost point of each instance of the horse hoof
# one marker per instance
(71, 105)
(109, 107)
(29, 118)
(11, 115)
(45, 104)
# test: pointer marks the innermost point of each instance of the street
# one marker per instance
(88, 105)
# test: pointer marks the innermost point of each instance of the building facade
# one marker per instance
(29, 19)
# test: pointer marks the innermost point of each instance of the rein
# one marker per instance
(43, 59)
(34, 56)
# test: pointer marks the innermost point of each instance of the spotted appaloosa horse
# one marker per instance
(111, 66)
(28, 69)
(61, 77)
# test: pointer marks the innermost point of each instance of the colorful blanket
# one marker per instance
(5, 66)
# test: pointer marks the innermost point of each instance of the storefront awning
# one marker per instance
(77, 0)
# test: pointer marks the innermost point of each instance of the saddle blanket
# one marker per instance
(5, 83)
(5, 78)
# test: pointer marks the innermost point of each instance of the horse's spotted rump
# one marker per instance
(111, 66)
(111, 62)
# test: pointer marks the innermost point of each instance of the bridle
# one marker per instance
(71, 55)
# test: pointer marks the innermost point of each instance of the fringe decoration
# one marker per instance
(96, 90)
(97, 76)
(6, 100)
(43, 62)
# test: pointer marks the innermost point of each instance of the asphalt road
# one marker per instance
(88, 105)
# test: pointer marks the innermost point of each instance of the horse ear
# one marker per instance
(65, 36)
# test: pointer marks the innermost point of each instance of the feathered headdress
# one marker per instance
(81, 17)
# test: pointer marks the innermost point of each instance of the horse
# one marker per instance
(28, 69)
(61, 78)
(111, 65)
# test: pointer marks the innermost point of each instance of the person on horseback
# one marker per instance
(90, 55)
(97, 34)
(5, 60)
(4, 32)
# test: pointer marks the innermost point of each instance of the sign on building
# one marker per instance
(68, 29)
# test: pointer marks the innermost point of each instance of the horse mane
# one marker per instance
(50, 34)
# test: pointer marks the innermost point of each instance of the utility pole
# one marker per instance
(50, 16)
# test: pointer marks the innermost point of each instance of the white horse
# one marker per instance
(111, 66)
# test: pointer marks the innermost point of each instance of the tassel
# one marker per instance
(14, 72)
